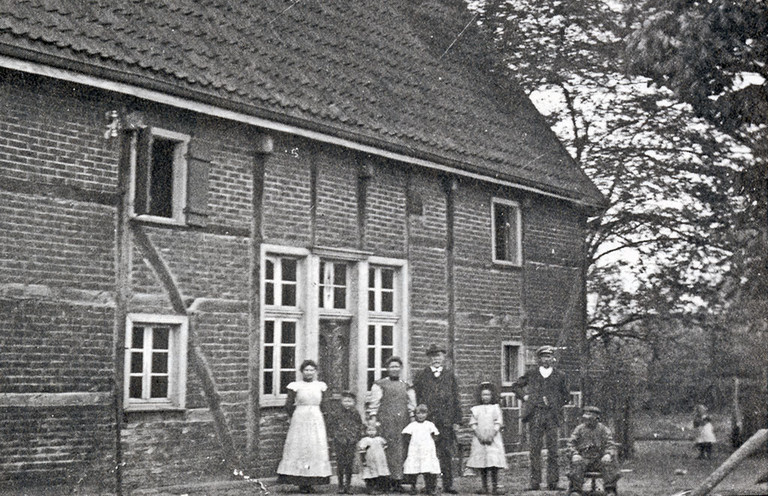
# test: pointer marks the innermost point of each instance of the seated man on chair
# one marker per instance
(591, 449)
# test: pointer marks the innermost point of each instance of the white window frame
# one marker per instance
(517, 238)
(398, 317)
(328, 297)
(298, 314)
(179, 199)
(177, 362)
(520, 361)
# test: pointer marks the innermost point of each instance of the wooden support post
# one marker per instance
(754, 443)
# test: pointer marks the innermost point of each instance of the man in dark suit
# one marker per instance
(544, 392)
(438, 388)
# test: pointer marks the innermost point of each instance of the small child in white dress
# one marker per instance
(422, 454)
(487, 451)
(374, 459)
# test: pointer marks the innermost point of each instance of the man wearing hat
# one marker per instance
(591, 448)
(438, 388)
(544, 392)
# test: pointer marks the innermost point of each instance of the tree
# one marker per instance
(662, 248)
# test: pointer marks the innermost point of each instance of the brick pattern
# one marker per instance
(287, 198)
(385, 222)
(337, 183)
(47, 446)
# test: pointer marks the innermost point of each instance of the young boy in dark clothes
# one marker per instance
(347, 428)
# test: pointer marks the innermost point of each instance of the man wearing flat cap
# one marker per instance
(544, 392)
(591, 448)
(437, 387)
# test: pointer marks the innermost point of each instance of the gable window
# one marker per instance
(155, 362)
(159, 175)
(506, 227)
(283, 322)
(333, 285)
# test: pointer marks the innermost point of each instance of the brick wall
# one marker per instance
(57, 219)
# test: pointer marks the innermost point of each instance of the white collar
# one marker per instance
(546, 372)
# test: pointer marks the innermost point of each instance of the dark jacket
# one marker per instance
(545, 396)
(441, 395)
(345, 426)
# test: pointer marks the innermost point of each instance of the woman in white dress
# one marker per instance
(305, 459)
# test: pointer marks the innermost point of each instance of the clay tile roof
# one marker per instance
(374, 72)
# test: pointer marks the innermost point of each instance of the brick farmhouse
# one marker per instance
(197, 196)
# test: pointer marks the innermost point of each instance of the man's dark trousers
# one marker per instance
(544, 424)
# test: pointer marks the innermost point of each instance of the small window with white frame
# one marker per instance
(279, 356)
(159, 175)
(385, 311)
(507, 232)
(333, 285)
(512, 365)
(155, 362)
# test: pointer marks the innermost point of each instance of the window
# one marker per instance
(381, 289)
(384, 337)
(279, 358)
(380, 347)
(506, 226)
(333, 285)
(283, 321)
(511, 366)
(159, 185)
(155, 361)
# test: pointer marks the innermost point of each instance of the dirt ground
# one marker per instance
(659, 468)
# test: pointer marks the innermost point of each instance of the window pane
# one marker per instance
(268, 357)
(269, 270)
(372, 301)
(285, 379)
(137, 338)
(371, 358)
(159, 363)
(289, 332)
(269, 293)
(289, 269)
(371, 278)
(160, 338)
(321, 296)
(339, 298)
(269, 331)
(500, 236)
(161, 177)
(289, 295)
(387, 278)
(137, 362)
(387, 302)
(371, 335)
(385, 354)
(371, 378)
(386, 335)
(134, 388)
(159, 387)
(268, 383)
(288, 357)
(340, 274)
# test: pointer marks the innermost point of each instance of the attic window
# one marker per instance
(507, 232)
(160, 175)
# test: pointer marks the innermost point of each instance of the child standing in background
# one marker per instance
(374, 458)
(422, 454)
(346, 427)
(705, 432)
(487, 452)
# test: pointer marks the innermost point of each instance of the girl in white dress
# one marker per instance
(487, 452)
(305, 459)
(422, 454)
(375, 467)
